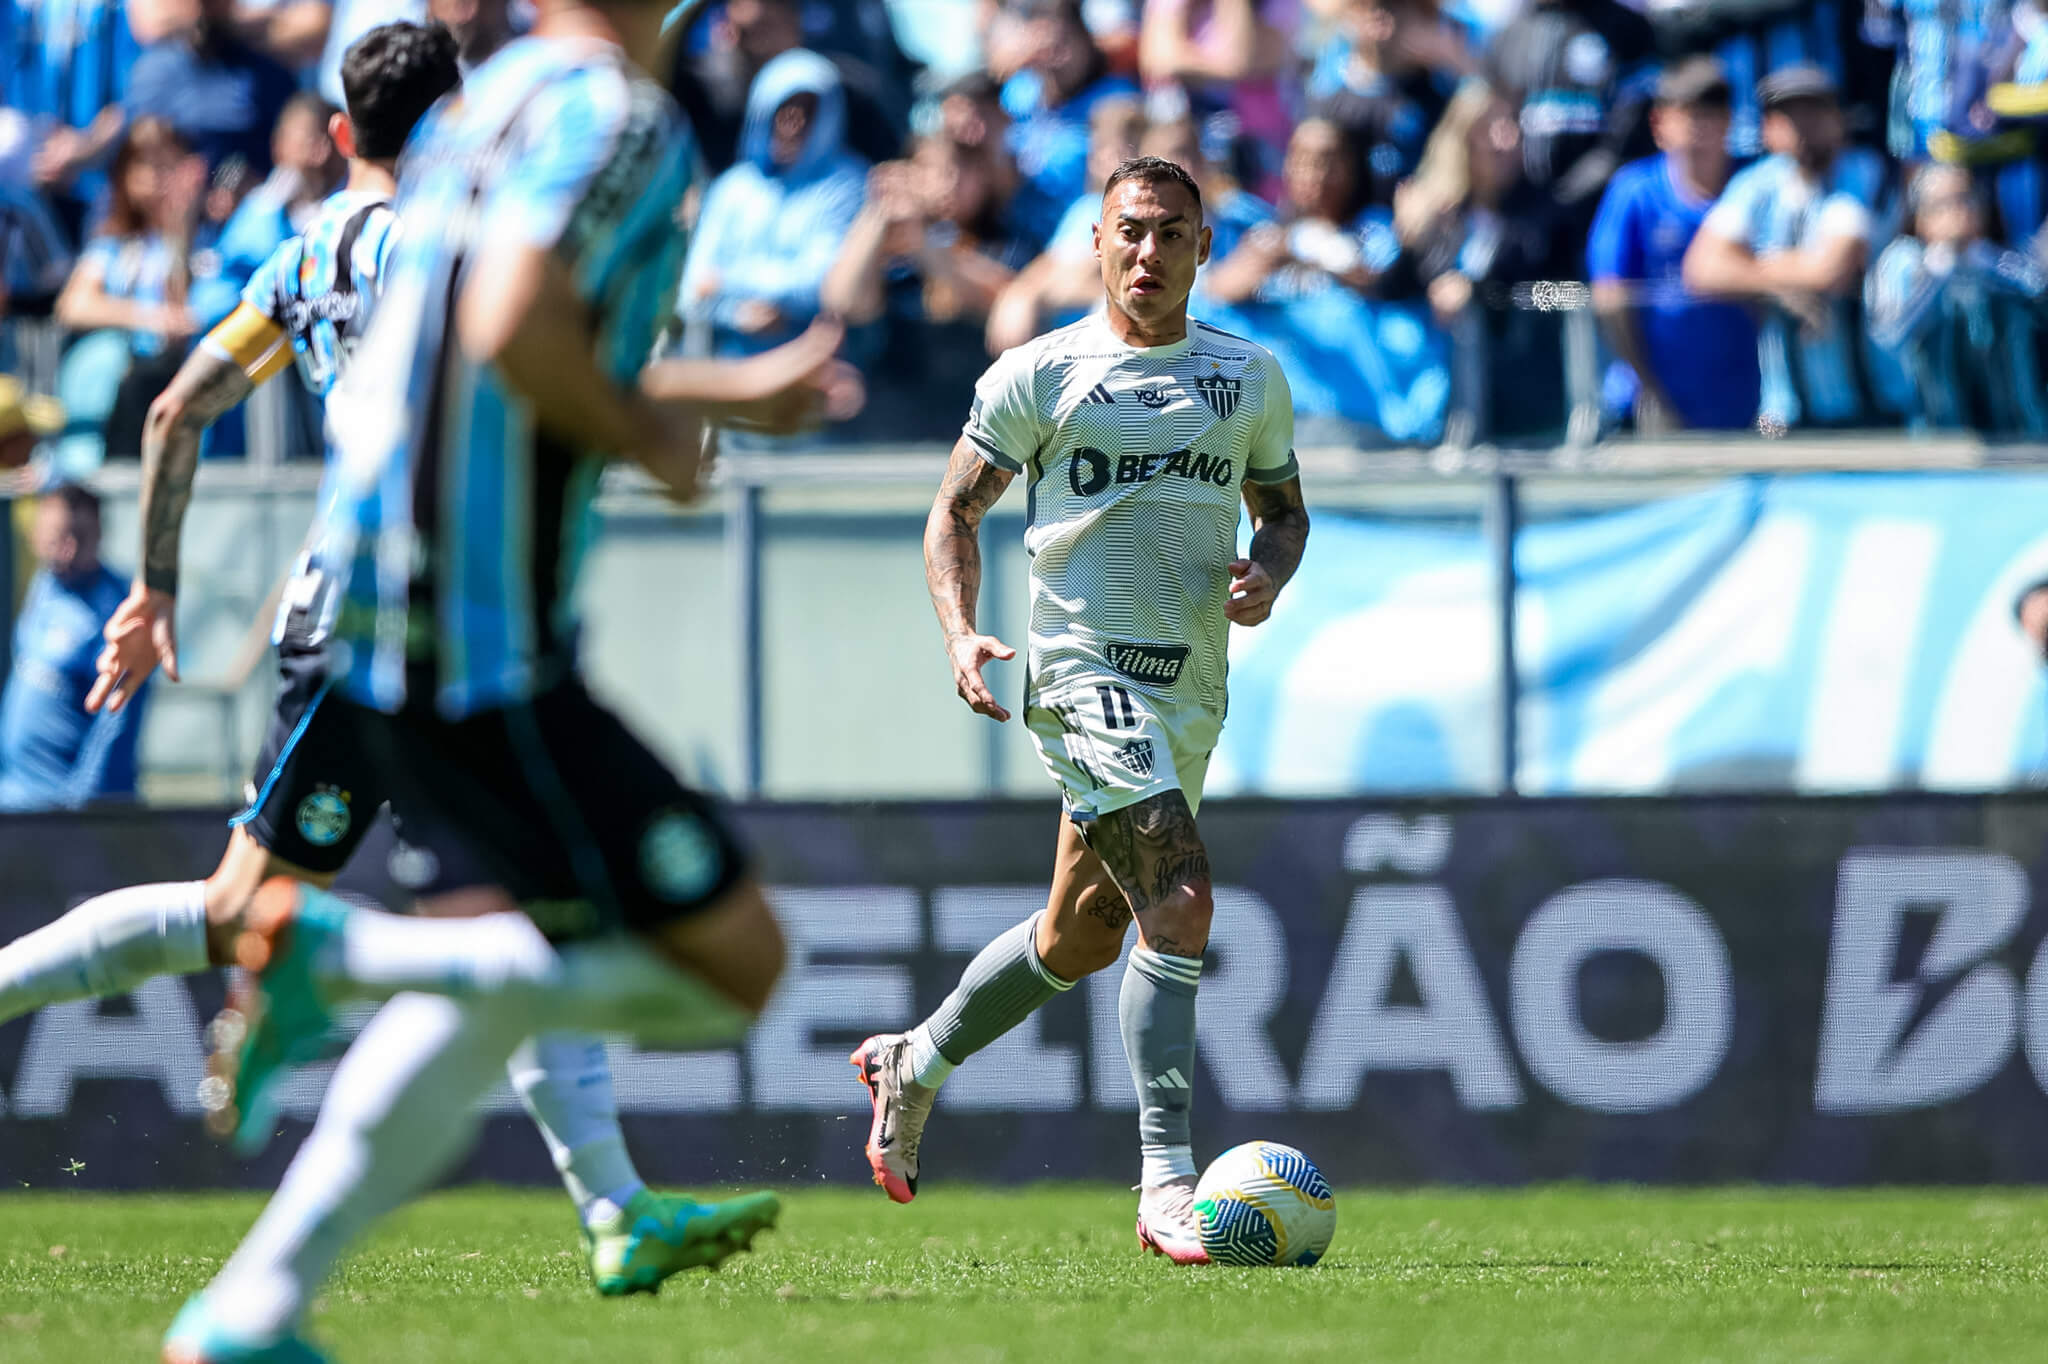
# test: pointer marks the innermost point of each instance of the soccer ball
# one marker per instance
(1265, 1204)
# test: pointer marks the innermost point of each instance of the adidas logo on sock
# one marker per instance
(1171, 1080)
(1099, 394)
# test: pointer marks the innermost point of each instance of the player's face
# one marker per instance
(1151, 240)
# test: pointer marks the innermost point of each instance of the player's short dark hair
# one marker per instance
(392, 75)
(78, 499)
(1153, 170)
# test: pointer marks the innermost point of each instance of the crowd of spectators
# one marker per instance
(1779, 214)
(1740, 214)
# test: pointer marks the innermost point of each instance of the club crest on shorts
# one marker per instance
(324, 817)
(1137, 756)
(1220, 393)
(679, 858)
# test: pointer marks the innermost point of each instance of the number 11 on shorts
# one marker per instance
(1114, 697)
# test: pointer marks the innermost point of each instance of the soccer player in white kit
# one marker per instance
(1137, 431)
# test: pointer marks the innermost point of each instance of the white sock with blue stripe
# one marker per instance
(107, 946)
(565, 1081)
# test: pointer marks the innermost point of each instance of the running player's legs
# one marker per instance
(315, 797)
(556, 809)
(1127, 849)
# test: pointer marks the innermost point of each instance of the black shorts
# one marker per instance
(556, 802)
(315, 792)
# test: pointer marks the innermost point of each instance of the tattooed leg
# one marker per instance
(1154, 854)
(1153, 851)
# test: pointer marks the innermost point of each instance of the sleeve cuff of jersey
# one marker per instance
(991, 455)
(1279, 473)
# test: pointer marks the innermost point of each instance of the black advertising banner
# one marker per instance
(1700, 989)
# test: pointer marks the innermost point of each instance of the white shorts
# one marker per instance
(1110, 745)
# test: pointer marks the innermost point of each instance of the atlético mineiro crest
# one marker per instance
(1220, 393)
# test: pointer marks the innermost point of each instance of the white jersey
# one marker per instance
(1135, 460)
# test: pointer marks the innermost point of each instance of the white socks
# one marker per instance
(107, 946)
(1164, 1164)
(927, 1066)
(401, 1110)
(565, 1081)
(615, 985)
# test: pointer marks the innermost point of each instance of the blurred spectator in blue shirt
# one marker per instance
(1794, 233)
(1382, 82)
(53, 753)
(1235, 61)
(132, 273)
(926, 260)
(1578, 74)
(1961, 315)
(1688, 362)
(1064, 280)
(1305, 288)
(222, 95)
(1758, 38)
(1051, 99)
(34, 259)
(306, 169)
(1507, 231)
(1946, 49)
(772, 225)
(67, 70)
(712, 80)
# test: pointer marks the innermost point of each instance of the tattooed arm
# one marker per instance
(142, 633)
(1279, 535)
(952, 570)
(205, 386)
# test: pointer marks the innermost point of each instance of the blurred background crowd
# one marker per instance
(1782, 215)
(1516, 221)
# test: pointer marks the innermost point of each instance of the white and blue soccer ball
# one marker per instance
(1265, 1204)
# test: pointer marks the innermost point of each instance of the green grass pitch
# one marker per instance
(1564, 1273)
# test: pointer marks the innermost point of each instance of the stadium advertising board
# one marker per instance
(1664, 990)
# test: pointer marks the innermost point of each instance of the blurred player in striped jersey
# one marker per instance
(1138, 432)
(314, 796)
(569, 880)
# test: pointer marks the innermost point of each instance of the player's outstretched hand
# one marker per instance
(141, 636)
(970, 653)
(796, 385)
(791, 388)
(1252, 591)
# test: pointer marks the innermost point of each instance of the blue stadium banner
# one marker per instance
(1708, 988)
(1821, 633)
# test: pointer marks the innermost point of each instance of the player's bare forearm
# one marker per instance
(1279, 527)
(952, 537)
(205, 386)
